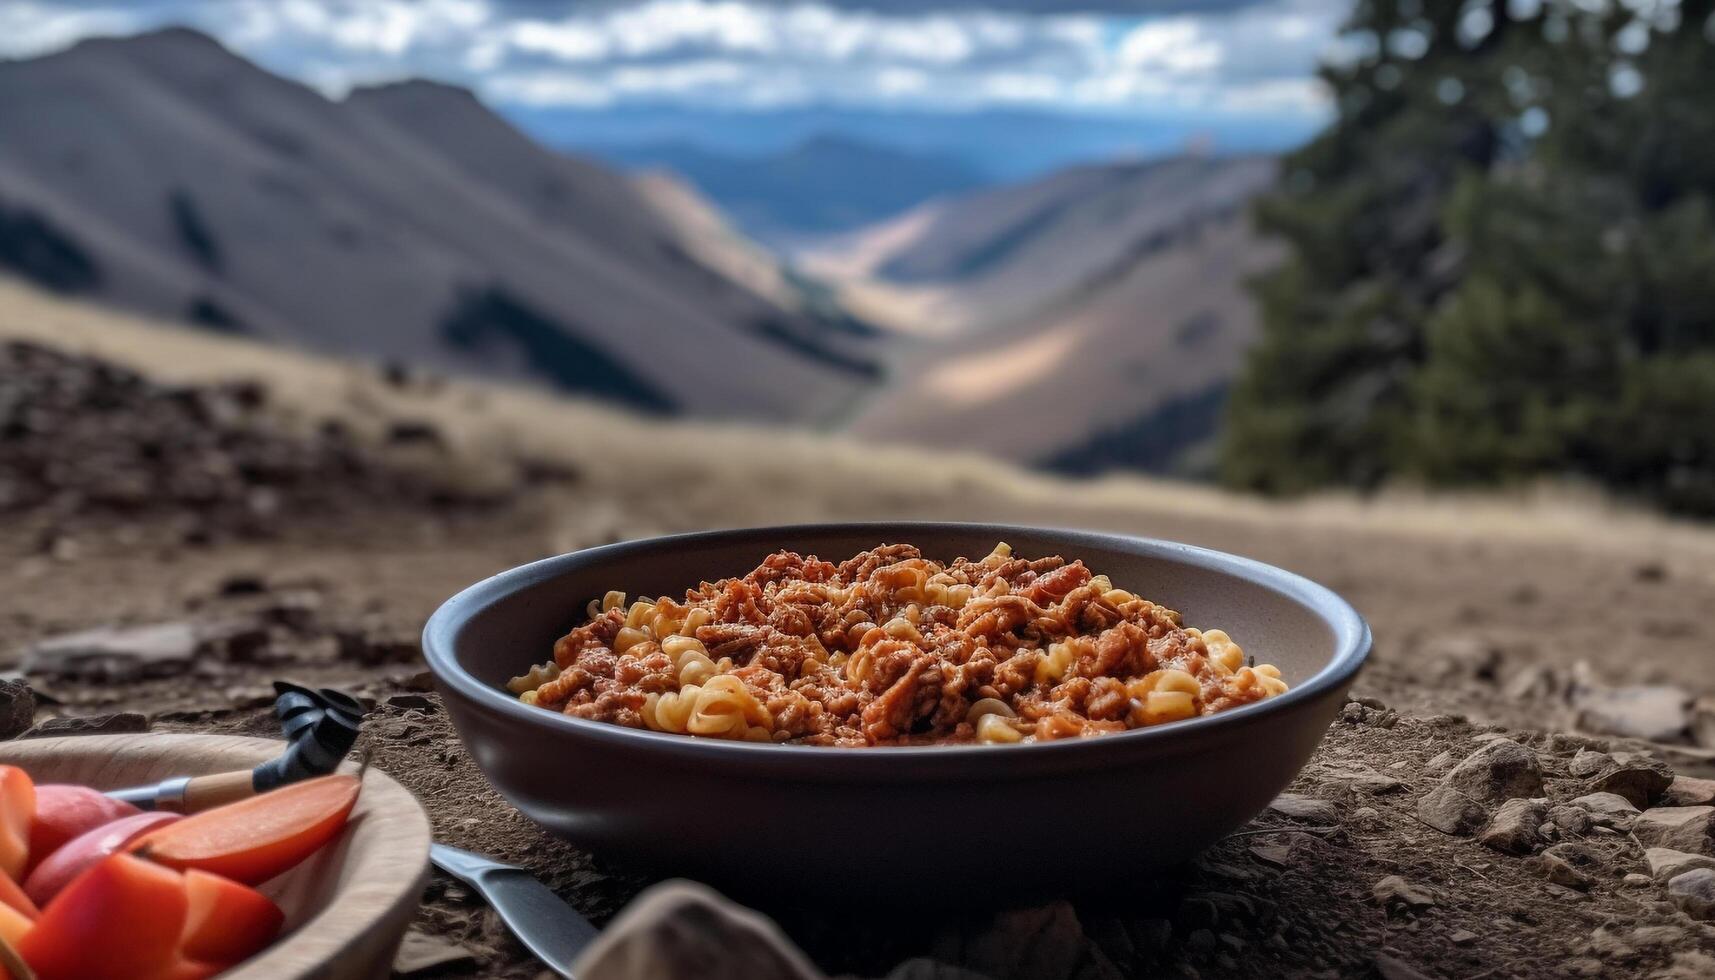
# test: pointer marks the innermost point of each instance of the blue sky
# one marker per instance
(1236, 71)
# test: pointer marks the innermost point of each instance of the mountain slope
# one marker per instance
(407, 224)
(1089, 320)
(822, 185)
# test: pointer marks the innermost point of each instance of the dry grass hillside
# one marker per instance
(1466, 595)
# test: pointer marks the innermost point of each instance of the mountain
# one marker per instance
(163, 173)
(824, 184)
(1086, 321)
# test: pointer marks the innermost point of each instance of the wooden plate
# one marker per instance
(346, 908)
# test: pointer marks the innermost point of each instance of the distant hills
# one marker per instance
(823, 184)
(408, 222)
(1090, 320)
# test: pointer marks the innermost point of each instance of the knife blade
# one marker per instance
(554, 931)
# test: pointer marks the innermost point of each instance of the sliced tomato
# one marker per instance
(255, 839)
(226, 922)
(77, 855)
(65, 811)
(17, 810)
(122, 919)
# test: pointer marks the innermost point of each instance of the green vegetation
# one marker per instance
(1502, 257)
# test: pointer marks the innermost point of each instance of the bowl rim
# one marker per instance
(1352, 643)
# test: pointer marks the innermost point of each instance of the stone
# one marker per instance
(1442, 760)
(1665, 862)
(1638, 778)
(1462, 937)
(1694, 893)
(1635, 880)
(117, 724)
(1570, 819)
(1680, 828)
(1278, 855)
(1589, 762)
(1608, 809)
(1397, 895)
(1513, 829)
(117, 653)
(1500, 770)
(1305, 808)
(1688, 965)
(1689, 791)
(1647, 936)
(1568, 865)
(1655, 712)
(421, 954)
(17, 708)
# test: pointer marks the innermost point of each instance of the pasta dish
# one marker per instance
(891, 648)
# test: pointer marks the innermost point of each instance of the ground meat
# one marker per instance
(888, 647)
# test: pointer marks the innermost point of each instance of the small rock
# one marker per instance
(1665, 862)
(421, 953)
(1635, 880)
(1353, 712)
(1462, 937)
(1513, 829)
(1689, 964)
(1689, 791)
(116, 724)
(1608, 809)
(116, 654)
(1680, 828)
(1655, 712)
(1589, 762)
(1570, 819)
(1395, 894)
(420, 702)
(1304, 808)
(1638, 778)
(1561, 743)
(1279, 855)
(17, 708)
(1500, 770)
(1694, 893)
(1647, 936)
(1441, 761)
(1568, 865)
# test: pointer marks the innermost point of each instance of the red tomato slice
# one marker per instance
(255, 839)
(13, 897)
(75, 856)
(64, 811)
(122, 919)
(226, 922)
(17, 810)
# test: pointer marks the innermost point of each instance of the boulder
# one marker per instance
(1694, 893)
(1681, 828)
(1514, 827)
(1665, 862)
(1501, 770)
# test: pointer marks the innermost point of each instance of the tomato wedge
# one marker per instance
(13, 897)
(255, 839)
(17, 810)
(227, 922)
(121, 919)
(77, 855)
(65, 811)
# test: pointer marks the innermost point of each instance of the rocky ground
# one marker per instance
(168, 548)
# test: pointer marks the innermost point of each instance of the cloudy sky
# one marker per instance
(1218, 64)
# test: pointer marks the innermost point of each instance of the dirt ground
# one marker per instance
(321, 562)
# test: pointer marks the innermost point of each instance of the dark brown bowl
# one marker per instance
(957, 823)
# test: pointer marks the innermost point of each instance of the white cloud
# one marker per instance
(739, 53)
